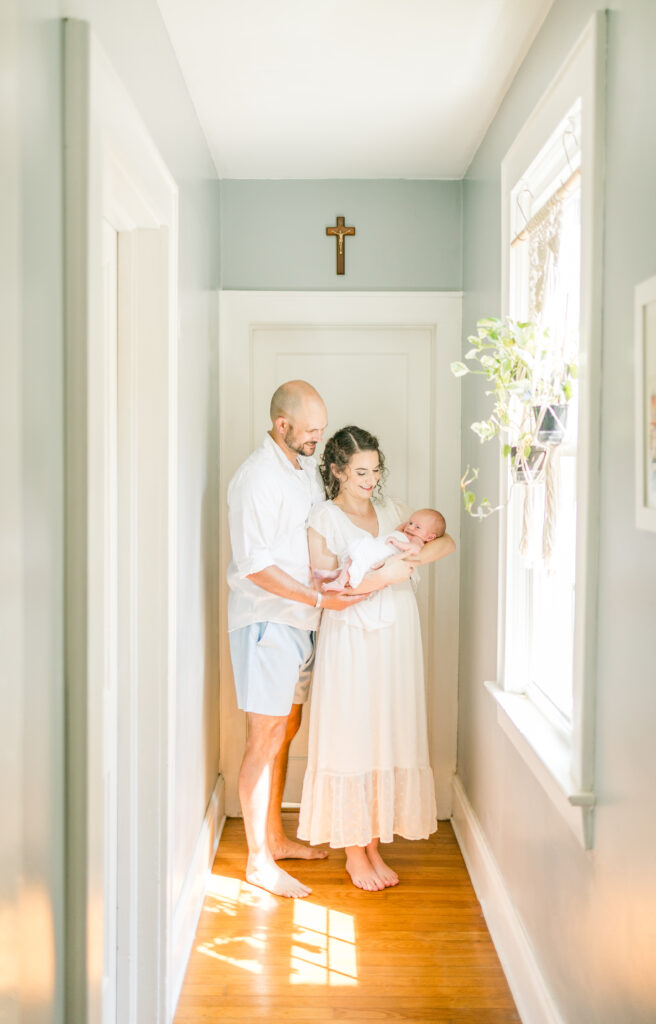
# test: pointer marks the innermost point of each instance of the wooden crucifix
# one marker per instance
(340, 231)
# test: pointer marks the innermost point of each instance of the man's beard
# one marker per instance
(294, 445)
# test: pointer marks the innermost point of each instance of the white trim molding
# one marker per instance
(123, 487)
(534, 1002)
(645, 307)
(581, 77)
(190, 902)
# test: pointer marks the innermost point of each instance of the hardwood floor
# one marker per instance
(419, 952)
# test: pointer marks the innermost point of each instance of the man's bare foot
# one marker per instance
(361, 871)
(272, 878)
(283, 848)
(384, 872)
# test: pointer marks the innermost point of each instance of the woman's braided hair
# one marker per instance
(340, 449)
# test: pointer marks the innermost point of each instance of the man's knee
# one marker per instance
(266, 735)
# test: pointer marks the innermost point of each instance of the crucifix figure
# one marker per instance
(340, 231)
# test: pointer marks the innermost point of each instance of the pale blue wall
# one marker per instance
(588, 915)
(408, 235)
(134, 38)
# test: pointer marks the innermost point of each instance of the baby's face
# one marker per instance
(420, 526)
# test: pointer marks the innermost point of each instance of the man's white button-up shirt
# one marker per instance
(269, 502)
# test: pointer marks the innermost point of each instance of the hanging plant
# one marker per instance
(529, 382)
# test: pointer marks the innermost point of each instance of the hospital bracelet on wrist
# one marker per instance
(317, 603)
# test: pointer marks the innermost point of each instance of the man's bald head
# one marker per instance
(298, 418)
(291, 397)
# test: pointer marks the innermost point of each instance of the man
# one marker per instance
(273, 612)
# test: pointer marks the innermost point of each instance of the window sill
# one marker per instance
(547, 752)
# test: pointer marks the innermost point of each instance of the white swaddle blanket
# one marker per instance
(365, 552)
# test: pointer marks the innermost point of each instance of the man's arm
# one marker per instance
(277, 581)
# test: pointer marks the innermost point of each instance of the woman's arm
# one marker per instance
(395, 570)
(434, 550)
(321, 557)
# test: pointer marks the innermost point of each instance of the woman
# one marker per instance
(368, 775)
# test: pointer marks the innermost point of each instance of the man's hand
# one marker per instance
(338, 602)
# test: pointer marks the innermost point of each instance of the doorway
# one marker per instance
(380, 360)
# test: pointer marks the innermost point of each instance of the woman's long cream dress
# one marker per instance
(368, 772)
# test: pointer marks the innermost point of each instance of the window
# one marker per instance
(552, 243)
(544, 286)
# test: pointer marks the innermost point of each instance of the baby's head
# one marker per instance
(425, 525)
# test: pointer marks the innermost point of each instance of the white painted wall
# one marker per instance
(31, 712)
(135, 41)
(589, 916)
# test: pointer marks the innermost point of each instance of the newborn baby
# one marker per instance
(367, 553)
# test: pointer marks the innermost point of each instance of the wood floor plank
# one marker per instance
(418, 952)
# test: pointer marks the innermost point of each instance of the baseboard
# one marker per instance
(190, 903)
(532, 998)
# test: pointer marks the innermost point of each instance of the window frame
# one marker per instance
(555, 162)
(564, 763)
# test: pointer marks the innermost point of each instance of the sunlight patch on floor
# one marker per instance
(322, 941)
(211, 949)
(231, 893)
(323, 949)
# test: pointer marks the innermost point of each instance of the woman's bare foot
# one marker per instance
(361, 871)
(283, 848)
(384, 872)
(272, 878)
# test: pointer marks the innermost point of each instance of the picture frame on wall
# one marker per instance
(645, 403)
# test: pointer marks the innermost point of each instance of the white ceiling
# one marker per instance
(348, 88)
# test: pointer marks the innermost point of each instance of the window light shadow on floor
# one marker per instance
(323, 949)
(324, 946)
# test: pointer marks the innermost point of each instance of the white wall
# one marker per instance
(32, 843)
(136, 43)
(135, 40)
(589, 916)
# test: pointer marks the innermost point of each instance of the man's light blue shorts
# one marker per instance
(272, 666)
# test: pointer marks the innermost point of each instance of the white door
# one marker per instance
(109, 694)
(380, 362)
(378, 378)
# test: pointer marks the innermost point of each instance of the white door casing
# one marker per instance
(380, 360)
(109, 621)
(121, 444)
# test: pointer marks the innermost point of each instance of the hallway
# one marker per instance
(418, 952)
(168, 176)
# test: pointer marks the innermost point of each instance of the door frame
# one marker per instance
(112, 171)
(239, 312)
